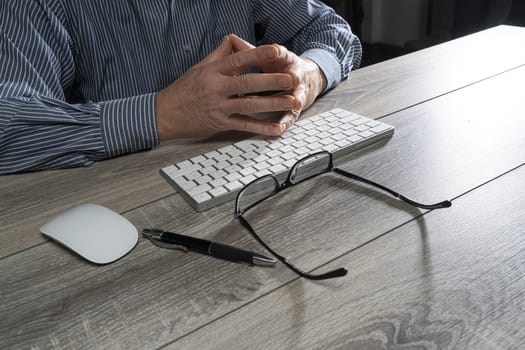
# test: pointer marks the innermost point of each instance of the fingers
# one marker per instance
(242, 60)
(252, 83)
(295, 74)
(252, 104)
(245, 123)
(247, 56)
(223, 50)
(239, 44)
(285, 56)
(230, 43)
(256, 104)
(289, 118)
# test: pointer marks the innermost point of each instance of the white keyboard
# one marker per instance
(216, 177)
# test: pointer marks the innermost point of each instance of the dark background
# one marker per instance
(390, 28)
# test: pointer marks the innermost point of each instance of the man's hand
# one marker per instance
(209, 97)
(308, 79)
(311, 83)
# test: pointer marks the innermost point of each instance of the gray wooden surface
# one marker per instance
(449, 279)
(443, 279)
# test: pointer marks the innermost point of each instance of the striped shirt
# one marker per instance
(78, 78)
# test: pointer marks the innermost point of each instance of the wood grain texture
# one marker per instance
(452, 279)
(399, 83)
(152, 297)
(128, 182)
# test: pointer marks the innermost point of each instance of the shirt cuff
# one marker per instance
(328, 64)
(129, 125)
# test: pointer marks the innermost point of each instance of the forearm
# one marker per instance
(42, 133)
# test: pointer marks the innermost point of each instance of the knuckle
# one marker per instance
(299, 104)
(296, 77)
(244, 84)
(232, 62)
(280, 49)
(236, 61)
(245, 125)
(246, 105)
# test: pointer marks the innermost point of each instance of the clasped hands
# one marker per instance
(213, 96)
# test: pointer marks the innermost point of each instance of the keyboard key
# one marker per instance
(219, 191)
(217, 176)
(235, 185)
(380, 128)
(198, 189)
(365, 134)
(218, 182)
(202, 198)
(232, 177)
(247, 179)
(247, 171)
(203, 179)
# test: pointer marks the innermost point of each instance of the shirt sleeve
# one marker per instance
(39, 128)
(312, 30)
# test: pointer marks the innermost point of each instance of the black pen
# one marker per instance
(172, 240)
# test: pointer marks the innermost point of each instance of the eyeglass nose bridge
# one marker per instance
(292, 176)
(310, 161)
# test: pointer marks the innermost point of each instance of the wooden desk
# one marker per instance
(450, 278)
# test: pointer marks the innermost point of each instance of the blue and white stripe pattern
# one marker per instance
(78, 78)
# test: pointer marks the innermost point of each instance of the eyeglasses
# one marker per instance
(306, 168)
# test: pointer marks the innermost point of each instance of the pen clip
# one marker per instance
(154, 235)
(168, 245)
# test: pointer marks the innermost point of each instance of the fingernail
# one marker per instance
(270, 53)
(286, 103)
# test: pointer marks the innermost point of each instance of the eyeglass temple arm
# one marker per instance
(340, 272)
(443, 204)
(330, 274)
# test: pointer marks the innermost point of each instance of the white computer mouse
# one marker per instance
(96, 233)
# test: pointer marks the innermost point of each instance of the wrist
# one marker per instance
(322, 82)
(318, 80)
(160, 120)
(165, 110)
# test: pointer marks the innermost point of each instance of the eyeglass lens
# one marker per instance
(256, 192)
(266, 186)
